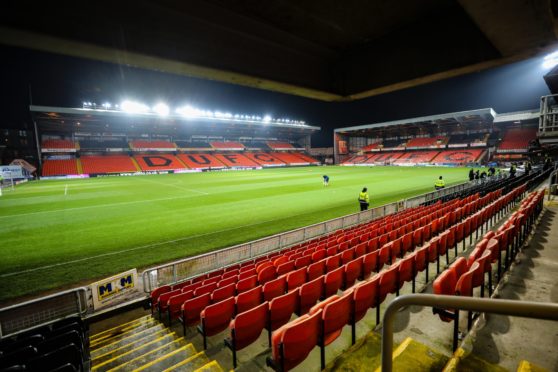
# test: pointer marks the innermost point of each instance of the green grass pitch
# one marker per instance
(58, 233)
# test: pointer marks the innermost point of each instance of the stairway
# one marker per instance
(144, 344)
(410, 355)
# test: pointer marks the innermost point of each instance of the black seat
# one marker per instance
(68, 354)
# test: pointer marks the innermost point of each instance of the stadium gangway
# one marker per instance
(526, 309)
(173, 272)
(45, 310)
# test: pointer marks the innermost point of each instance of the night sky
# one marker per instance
(55, 80)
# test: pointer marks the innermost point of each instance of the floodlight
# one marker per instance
(161, 109)
(107, 105)
(133, 107)
(266, 119)
(550, 60)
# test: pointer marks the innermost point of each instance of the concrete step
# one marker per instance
(121, 328)
(410, 355)
(525, 366)
(191, 364)
(154, 354)
(130, 338)
(463, 362)
(184, 356)
(123, 334)
(131, 351)
(213, 366)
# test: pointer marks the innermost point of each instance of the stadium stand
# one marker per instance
(58, 144)
(103, 144)
(426, 142)
(392, 144)
(416, 157)
(235, 160)
(193, 145)
(290, 158)
(384, 157)
(107, 164)
(264, 159)
(158, 162)
(307, 158)
(423, 234)
(59, 167)
(200, 161)
(372, 146)
(457, 157)
(229, 145)
(279, 145)
(142, 145)
(517, 140)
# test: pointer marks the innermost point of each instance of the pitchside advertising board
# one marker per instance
(11, 172)
(114, 289)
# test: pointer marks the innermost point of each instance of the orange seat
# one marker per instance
(281, 309)
(249, 299)
(223, 293)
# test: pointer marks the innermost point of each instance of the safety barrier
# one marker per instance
(45, 310)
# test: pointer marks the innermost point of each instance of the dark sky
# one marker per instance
(65, 81)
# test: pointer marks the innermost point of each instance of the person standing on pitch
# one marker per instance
(440, 183)
(326, 180)
(363, 199)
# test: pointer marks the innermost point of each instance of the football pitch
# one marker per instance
(60, 233)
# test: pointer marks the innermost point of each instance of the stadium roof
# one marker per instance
(324, 49)
(64, 119)
(481, 116)
(529, 116)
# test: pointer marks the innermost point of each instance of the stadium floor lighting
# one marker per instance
(133, 107)
(161, 109)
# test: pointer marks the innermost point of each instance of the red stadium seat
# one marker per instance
(212, 280)
(315, 270)
(274, 288)
(164, 298)
(154, 297)
(333, 281)
(191, 310)
(318, 255)
(333, 263)
(296, 278)
(262, 265)
(174, 304)
(216, 318)
(384, 255)
(225, 282)
(292, 343)
(246, 328)
(347, 256)
(205, 289)
(249, 299)
(353, 271)
(246, 284)
(369, 263)
(223, 293)
(247, 274)
(309, 294)
(360, 249)
(336, 314)
(365, 295)
(280, 260)
(281, 309)
(229, 274)
(303, 261)
(388, 283)
(285, 268)
(406, 271)
(267, 274)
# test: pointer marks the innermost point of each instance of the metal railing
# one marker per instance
(180, 270)
(537, 310)
(45, 310)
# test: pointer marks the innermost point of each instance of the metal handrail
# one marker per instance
(526, 309)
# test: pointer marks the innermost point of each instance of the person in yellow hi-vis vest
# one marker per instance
(363, 199)
(440, 183)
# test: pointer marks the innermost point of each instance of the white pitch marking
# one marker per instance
(66, 190)
(176, 186)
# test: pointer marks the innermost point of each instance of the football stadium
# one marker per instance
(299, 186)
